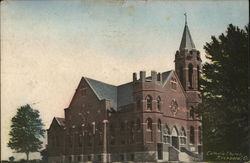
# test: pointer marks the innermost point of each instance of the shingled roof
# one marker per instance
(104, 91)
(119, 95)
(186, 41)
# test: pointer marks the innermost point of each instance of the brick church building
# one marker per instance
(150, 119)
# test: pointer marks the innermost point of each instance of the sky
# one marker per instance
(47, 46)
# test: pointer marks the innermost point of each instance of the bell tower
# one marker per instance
(188, 66)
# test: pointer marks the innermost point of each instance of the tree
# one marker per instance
(26, 131)
(225, 97)
(11, 158)
(44, 154)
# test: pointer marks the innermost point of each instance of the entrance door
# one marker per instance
(159, 151)
(175, 142)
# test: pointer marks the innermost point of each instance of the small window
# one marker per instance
(159, 125)
(149, 124)
(149, 102)
(190, 76)
(159, 103)
(183, 136)
(166, 133)
(173, 83)
(192, 112)
(83, 91)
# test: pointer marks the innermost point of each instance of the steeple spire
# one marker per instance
(185, 14)
(186, 41)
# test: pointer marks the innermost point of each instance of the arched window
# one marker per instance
(181, 74)
(174, 132)
(192, 112)
(192, 137)
(199, 133)
(132, 135)
(138, 124)
(183, 136)
(166, 133)
(190, 75)
(149, 102)
(198, 77)
(158, 103)
(149, 124)
(159, 125)
(173, 83)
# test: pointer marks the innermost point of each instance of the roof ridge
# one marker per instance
(99, 81)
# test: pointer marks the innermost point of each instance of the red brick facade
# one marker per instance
(149, 119)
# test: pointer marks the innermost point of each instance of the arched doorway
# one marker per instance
(175, 138)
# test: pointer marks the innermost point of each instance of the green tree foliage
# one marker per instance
(11, 158)
(26, 131)
(225, 97)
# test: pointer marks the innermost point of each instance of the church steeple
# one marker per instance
(188, 62)
(186, 41)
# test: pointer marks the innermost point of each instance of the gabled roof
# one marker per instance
(60, 121)
(165, 76)
(125, 94)
(186, 41)
(119, 95)
(103, 90)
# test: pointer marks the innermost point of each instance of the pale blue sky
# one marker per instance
(48, 45)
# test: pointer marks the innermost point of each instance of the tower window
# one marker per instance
(149, 124)
(198, 77)
(149, 102)
(181, 75)
(159, 103)
(190, 76)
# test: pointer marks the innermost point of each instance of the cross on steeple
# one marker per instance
(185, 14)
(186, 41)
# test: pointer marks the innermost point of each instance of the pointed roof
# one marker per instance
(186, 41)
(120, 95)
(103, 90)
